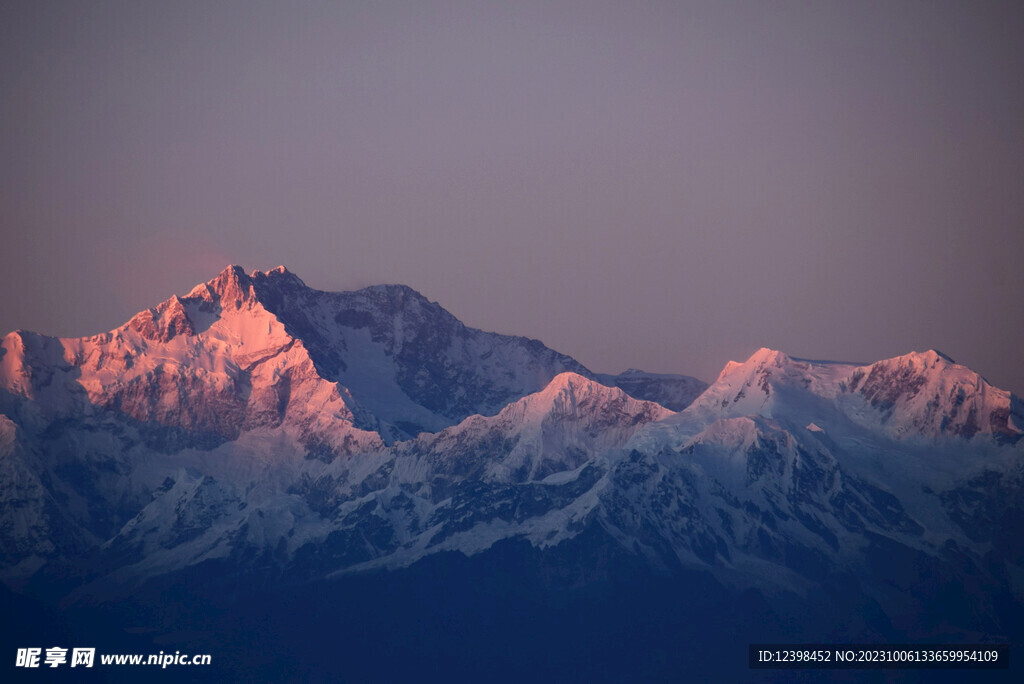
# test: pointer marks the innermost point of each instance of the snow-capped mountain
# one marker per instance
(244, 364)
(260, 431)
(525, 471)
(240, 346)
(921, 395)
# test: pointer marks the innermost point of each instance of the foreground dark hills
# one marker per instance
(357, 486)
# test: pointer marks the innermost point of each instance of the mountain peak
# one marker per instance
(232, 285)
(394, 292)
(573, 382)
(163, 323)
(764, 356)
(929, 393)
(568, 391)
(231, 272)
(280, 277)
(929, 357)
(913, 370)
(936, 352)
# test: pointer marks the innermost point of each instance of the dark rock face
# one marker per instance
(163, 323)
(440, 364)
(884, 386)
(179, 398)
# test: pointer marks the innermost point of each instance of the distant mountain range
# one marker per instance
(259, 438)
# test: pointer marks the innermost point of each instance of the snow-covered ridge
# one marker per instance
(240, 350)
(256, 417)
(262, 349)
(927, 392)
(920, 394)
(554, 430)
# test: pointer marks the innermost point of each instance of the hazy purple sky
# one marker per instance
(664, 185)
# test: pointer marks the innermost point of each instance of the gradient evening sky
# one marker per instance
(662, 185)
